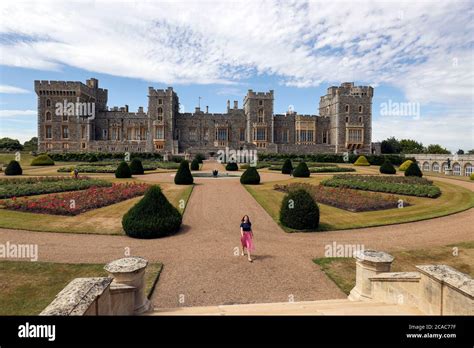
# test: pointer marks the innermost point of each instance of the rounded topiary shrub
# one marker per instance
(136, 167)
(471, 176)
(361, 161)
(301, 171)
(405, 165)
(152, 217)
(231, 167)
(200, 157)
(195, 164)
(287, 167)
(183, 175)
(250, 177)
(299, 211)
(387, 168)
(42, 160)
(123, 171)
(13, 168)
(413, 170)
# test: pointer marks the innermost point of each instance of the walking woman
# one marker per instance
(246, 236)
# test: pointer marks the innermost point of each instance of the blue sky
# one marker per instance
(419, 53)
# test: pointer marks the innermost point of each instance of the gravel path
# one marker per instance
(202, 267)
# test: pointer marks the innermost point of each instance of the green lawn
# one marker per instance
(342, 271)
(105, 220)
(28, 287)
(452, 200)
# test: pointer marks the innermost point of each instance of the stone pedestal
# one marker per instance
(448, 171)
(369, 263)
(131, 271)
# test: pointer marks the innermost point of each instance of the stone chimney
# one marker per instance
(236, 104)
(228, 105)
(207, 109)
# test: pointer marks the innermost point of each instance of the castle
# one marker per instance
(74, 117)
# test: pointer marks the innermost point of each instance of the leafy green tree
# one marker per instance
(31, 145)
(460, 152)
(411, 146)
(10, 144)
(391, 145)
(437, 149)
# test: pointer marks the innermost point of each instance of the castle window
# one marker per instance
(242, 134)
(83, 132)
(65, 118)
(325, 139)
(361, 109)
(284, 136)
(65, 146)
(49, 146)
(206, 134)
(104, 134)
(160, 114)
(260, 116)
(160, 101)
(260, 102)
(193, 134)
(355, 135)
(261, 134)
(83, 145)
(65, 132)
(48, 102)
(347, 108)
(221, 134)
(347, 119)
(360, 119)
(48, 116)
(49, 132)
(159, 134)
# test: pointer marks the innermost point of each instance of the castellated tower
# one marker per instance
(349, 109)
(163, 108)
(59, 130)
(258, 109)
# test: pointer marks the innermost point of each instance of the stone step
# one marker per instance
(325, 307)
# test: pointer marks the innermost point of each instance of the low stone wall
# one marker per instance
(122, 293)
(434, 289)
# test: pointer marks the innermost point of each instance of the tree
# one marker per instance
(287, 167)
(299, 211)
(152, 217)
(9, 144)
(250, 177)
(123, 171)
(301, 171)
(31, 145)
(200, 157)
(195, 164)
(136, 167)
(387, 168)
(470, 152)
(436, 149)
(413, 170)
(183, 175)
(391, 145)
(13, 168)
(460, 152)
(411, 146)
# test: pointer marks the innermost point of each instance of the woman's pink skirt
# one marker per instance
(247, 242)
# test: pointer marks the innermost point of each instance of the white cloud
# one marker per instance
(16, 113)
(6, 89)
(407, 44)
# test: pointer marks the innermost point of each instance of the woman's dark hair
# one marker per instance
(243, 218)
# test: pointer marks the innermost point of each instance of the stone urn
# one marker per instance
(215, 172)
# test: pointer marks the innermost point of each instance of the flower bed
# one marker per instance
(74, 203)
(347, 199)
(410, 186)
(110, 167)
(47, 184)
(330, 169)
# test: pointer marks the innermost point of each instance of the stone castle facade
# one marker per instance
(344, 123)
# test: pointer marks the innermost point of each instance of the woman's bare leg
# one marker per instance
(248, 254)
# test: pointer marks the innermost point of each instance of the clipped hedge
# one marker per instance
(100, 156)
(301, 171)
(13, 168)
(331, 169)
(42, 160)
(250, 177)
(123, 171)
(332, 158)
(231, 167)
(152, 217)
(287, 167)
(413, 170)
(387, 168)
(195, 164)
(404, 166)
(299, 211)
(136, 167)
(183, 175)
(362, 161)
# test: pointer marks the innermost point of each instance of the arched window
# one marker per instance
(48, 102)
(347, 108)
(360, 119)
(361, 109)
(435, 167)
(347, 119)
(48, 116)
(468, 169)
(456, 169)
(426, 167)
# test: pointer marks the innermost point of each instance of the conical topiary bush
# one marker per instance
(362, 161)
(183, 175)
(301, 171)
(13, 168)
(123, 171)
(136, 167)
(195, 164)
(413, 170)
(287, 167)
(250, 177)
(387, 168)
(299, 211)
(231, 167)
(152, 217)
